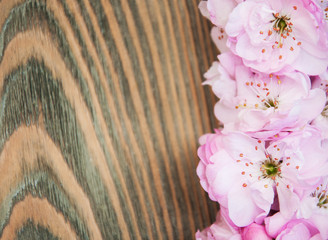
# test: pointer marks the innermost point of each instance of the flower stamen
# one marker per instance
(270, 168)
(322, 196)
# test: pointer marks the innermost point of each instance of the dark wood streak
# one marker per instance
(144, 71)
(30, 231)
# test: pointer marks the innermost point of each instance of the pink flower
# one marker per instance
(244, 174)
(314, 208)
(219, 230)
(278, 36)
(262, 105)
(309, 220)
(224, 178)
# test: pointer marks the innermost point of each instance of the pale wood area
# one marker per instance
(102, 105)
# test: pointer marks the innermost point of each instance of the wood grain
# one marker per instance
(102, 105)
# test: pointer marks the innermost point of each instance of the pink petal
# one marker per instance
(237, 18)
(274, 224)
(310, 107)
(255, 231)
(242, 209)
(203, 9)
(262, 197)
(288, 200)
(219, 37)
(317, 65)
(220, 10)
(320, 221)
(298, 232)
(240, 145)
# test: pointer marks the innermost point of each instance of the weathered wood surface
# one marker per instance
(101, 109)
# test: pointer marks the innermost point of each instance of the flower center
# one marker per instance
(266, 94)
(323, 201)
(271, 103)
(270, 168)
(283, 27)
(324, 112)
(322, 196)
(281, 24)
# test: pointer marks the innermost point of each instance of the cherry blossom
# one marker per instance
(262, 105)
(244, 174)
(278, 36)
(309, 220)
(314, 208)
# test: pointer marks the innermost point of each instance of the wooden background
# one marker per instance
(101, 109)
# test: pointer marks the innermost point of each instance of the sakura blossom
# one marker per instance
(243, 174)
(278, 36)
(262, 105)
(314, 208)
(309, 220)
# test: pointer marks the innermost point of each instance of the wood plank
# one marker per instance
(101, 109)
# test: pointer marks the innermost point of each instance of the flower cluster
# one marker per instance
(268, 165)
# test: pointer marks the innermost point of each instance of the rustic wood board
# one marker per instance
(101, 109)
